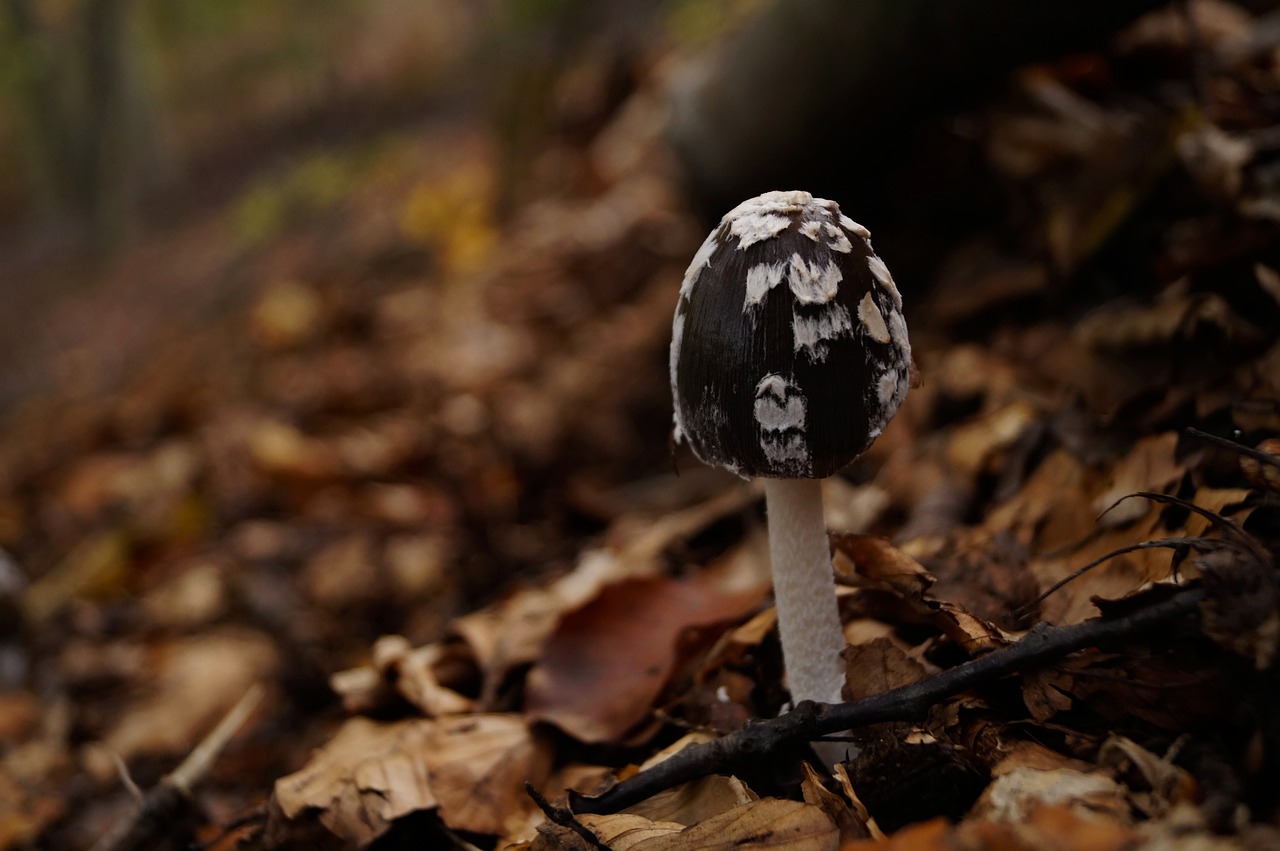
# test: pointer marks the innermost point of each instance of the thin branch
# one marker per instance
(170, 798)
(1193, 543)
(759, 740)
(564, 817)
(1238, 448)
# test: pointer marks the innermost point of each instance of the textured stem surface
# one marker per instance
(804, 589)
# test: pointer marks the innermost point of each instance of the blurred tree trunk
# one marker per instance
(812, 91)
(40, 97)
(86, 106)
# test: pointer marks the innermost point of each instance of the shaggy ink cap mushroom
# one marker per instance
(789, 355)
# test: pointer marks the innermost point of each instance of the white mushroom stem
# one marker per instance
(804, 590)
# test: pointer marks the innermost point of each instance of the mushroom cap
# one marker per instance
(789, 353)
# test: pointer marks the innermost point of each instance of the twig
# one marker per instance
(758, 740)
(167, 800)
(1234, 537)
(1238, 448)
(564, 817)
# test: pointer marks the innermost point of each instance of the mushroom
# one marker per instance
(789, 355)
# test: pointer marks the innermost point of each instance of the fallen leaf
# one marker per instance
(1177, 316)
(1015, 796)
(876, 667)
(869, 561)
(478, 765)
(973, 445)
(1150, 465)
(1264, 475)
(1155, 783)
(625, 637)
(363, 779)
(851, 824)
(1046, 692)
(194, 682)
(692, 802)
(512, 632)
(420, 676)
(767, 823)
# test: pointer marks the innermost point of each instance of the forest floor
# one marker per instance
(383, 483)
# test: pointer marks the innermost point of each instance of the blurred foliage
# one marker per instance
(217, 81)
(204, 79)
(314, 184)
(701, 21)
(454, 217)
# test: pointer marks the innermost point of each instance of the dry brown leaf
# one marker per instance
(736, 643)
(478, 766)
(1015, 795)
(1112, 579)
(849, 821)
(1049, 494)
(600, 671)
(1150, 465)
(870, 561)
(1223, 501)
(1046, 692)
(418, 678)
(767, 823)
(979, 276)
(194, 595)
(1023, 754)
(195, 681)
(422, 676)
(692, 802)
(1177, 316)
(1155, 783)
(512, 632)
(878, 666)
(1046, 829)
(972, 445)
(1263, 475)
(626, 832)
(367, 776)
(859, 809)
(852, 509)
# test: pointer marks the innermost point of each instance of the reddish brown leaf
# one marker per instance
(601, 669)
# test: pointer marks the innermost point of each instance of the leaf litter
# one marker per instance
(409, 419)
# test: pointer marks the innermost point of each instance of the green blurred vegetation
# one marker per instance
(102, 102)
(100, 99)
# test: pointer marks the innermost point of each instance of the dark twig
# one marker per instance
(1234, 537)
(171, 797)
(564, 817)
(1238, 448)
(1200, 544)
(759, 740)
(1232, 532)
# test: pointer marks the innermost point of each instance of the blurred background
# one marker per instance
(328, 319)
